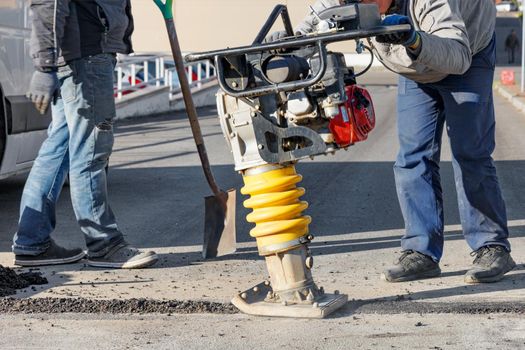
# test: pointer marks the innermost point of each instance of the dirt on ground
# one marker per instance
(10, 281)
(10, 305)
(418, 307)
(115, 306)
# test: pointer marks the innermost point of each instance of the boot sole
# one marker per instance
(425, 275)
(136, 264)
(47, 262)
(493, 279)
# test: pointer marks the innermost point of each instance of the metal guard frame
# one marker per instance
(279, 10)
(273, 88)
(299, 42)
(321, 41)
(291, 42)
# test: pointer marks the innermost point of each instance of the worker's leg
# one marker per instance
(471, 125)
(89, 109)
(32, 243)
(420, 127)
(42, 189)
(470, 118)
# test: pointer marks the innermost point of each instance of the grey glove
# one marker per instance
(42, 88)
(275, 36)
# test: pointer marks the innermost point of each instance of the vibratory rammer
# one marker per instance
(280, 102)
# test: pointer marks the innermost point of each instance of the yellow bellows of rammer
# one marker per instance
(277, 209)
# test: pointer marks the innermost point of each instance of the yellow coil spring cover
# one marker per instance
(277, 210)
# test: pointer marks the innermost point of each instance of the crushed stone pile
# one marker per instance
(10, 281)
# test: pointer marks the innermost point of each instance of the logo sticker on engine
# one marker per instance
(344, 112)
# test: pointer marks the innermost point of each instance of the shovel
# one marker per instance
(219, 225)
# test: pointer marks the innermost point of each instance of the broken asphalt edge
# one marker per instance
(149, 306)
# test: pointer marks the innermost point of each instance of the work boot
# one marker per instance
(490, 265)
(123, 256)
(54, 255)
(411, 266)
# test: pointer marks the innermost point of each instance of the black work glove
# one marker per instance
(42, 89)
(408, 38)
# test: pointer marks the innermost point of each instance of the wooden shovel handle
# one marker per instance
(190, 107)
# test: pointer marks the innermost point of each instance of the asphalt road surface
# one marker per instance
(157, 191)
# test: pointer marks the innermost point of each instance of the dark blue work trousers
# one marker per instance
(465, 104)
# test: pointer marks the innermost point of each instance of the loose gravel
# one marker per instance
(148, 306)
(115, 306)
(10, 281)
(413, 307)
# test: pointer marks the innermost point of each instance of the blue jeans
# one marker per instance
(80, 141)
(465, 103)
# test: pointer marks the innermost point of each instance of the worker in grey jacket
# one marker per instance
(73, 45)
(446, 62)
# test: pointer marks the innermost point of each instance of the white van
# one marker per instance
(506, 6)
(22, 128)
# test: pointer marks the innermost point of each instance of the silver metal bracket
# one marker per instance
(254, 302)
(274, 153)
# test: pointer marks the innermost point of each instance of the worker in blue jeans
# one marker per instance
(74, 49)
(446, 63)
(464, 103)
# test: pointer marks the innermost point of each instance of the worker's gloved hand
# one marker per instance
(408, 38)
(275, 36)
(42, 89)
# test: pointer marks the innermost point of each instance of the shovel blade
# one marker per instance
(219, 226)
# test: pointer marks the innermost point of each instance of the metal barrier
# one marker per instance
(134, 73)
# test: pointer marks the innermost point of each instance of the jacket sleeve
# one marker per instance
(307, 25)
(48, 23)
(445, 44)
(130, 29)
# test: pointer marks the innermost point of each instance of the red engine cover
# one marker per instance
(356, 118)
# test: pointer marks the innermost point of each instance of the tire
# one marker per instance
(3, 129)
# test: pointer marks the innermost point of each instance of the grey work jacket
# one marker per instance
(55, 36)
(452, 31)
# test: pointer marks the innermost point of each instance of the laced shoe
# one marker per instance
(411, 266)
(123, 256)
(54, 255)
(490, 265)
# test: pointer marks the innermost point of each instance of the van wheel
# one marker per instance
(3, 131)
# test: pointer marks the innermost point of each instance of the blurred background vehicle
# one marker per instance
(22, 129)
(506, 6)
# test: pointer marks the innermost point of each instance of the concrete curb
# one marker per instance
(513, 97)
(155, 101)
